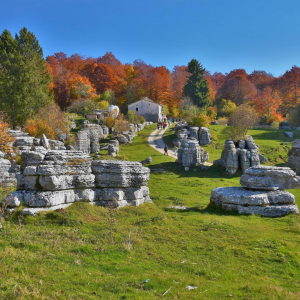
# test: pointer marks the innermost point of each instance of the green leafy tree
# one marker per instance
(24, 77)
(197, 87)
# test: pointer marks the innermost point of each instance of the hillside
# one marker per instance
(87, 252)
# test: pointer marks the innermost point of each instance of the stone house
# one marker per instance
(97, 114)
(147, 108)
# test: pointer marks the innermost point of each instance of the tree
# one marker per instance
(24, 79)
(240, 121)
(197, 87)
(266, 104)
(50, 121)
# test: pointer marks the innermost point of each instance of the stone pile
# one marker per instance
(204, 136)
(240, 156)
(183, 132)
(113, 148)
(294, 155)
(262, 192)
(8, 171)
(59, 178)
(88, 137)
(190, 153)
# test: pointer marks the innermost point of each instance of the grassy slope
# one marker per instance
(96, 253)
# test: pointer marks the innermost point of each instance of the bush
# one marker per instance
(82, 107)
(103, 105)
(294, 117)
(121, 125)
(227, 107)
(134, 117)
(201, 120)
(110, 122)
(50, 121)
(240, 121)
(223, 121)
(5, 138)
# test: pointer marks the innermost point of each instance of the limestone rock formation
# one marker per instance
(204, 136)
(270, 178)
(190, 153)
(63, 177)
(262, 193)
(146, 161)
(242, 155)
(294, 155)
(7, 176)
(113, 147)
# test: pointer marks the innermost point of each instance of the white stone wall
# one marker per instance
(146, 108)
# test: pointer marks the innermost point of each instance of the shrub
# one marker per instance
(50, 121)
(201, 120)
(103, 105)
(121, 125)
(134, 117)
(294, 116)
(5, 138)
(223, 121)
(110, 122)
(227, 107)
(240, 121)
(82, 107)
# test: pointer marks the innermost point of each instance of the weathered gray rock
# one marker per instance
(241, 196)
(265, 203)
(113, 147)
(63, 177)
(245, 155)
(82, 141)
(146, 161)
(294, 155)
(181, 135)
(44, 142)
(270, 178)
(285, 125)
(190, 153)
(289, 134)
(72, 125)
(194, 132)
(111, 173)
(204, 136)
(122, 139)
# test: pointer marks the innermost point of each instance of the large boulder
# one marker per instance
(294, 155)
(112, 173)
(270, 178)
(204, 136)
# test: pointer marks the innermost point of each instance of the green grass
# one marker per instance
(96, 253)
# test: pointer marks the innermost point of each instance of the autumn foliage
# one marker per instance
(50, 121)
(5, 139)
(77, 78)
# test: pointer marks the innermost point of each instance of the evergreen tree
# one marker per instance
(24, 77)
(196, 86)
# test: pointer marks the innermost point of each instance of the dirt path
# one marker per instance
(155, 140)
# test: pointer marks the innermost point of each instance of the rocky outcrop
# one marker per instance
(204, 136)
(190, 153)
(240, 156)
(147, 161)
(7, 171)
(285, 125)
(262, 192)
(270, 178)
(294, 155)
(63, 177)
(113, 147)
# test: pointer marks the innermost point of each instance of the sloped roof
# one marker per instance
(144, 99)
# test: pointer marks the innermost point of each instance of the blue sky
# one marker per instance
(222, 34)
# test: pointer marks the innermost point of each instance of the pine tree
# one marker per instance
(24, 77)
(196, 86)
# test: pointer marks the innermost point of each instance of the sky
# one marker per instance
(221, 34)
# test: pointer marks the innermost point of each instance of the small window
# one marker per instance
(137, 109)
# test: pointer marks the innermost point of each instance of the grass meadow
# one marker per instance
(87, 252)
